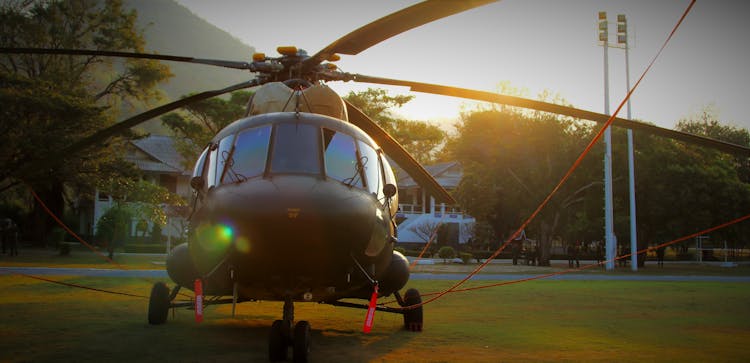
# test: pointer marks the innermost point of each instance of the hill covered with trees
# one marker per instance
(170, 28)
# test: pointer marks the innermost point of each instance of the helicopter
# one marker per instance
(296, 202)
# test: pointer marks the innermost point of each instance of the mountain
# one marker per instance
(170, 28)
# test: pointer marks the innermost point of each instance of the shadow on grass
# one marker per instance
(45, 323)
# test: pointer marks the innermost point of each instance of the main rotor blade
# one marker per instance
(396, 152)
(558, 109)
(120, 127)
(107, 53)
(391, 25)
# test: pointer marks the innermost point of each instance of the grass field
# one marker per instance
(86, 259)
(535, 321)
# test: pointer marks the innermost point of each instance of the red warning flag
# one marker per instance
(198, 300)
(371, 311)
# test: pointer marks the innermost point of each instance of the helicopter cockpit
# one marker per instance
(274, 144)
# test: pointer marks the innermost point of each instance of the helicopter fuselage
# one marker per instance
(291, 205)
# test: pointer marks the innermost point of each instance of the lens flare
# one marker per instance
(226, 232)
(243, 245)
(214, 237)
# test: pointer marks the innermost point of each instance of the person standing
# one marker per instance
(9, 232)
(660, 256)
(13, 242)
(515, 245)
(5, 233)
(571, 252)
(515, 249)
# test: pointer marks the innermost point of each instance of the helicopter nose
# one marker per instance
(295, 219)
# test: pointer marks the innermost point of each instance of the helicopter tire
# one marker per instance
(277, 342)
(413, 318)
(301, 341)
(158, 304)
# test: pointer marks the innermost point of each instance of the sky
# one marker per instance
(528, 46)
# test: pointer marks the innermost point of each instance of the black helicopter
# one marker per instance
(296, 202)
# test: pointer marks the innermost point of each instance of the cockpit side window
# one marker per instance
(371, 165)
(341, 158)
(250, 154)
(389, 178)
(200, 164)
(211, 168)
(224, 158)
(296, 149)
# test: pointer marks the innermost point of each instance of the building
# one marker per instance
(161, 164)
(419, 215)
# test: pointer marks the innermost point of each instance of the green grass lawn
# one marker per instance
(85, 258)
(535, 321)
(82, 258)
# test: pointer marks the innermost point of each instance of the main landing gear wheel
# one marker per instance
(158, 304)
(277, 342)
(301, 341)
(413, 317)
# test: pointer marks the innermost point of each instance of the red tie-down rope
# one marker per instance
(426, 246)
(563, 272)
(69, 284)
(76, 236)
(568, 173)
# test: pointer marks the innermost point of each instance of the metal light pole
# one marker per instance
(609, 236)
(622, 39)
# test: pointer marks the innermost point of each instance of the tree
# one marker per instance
(201, 121)
(446, 252)
(52, 101)
(683, 188)
(706, 123)
(377, 104)
(114, 227)
(512, 160)
(132, 198)
(421, 139)
(427, 230)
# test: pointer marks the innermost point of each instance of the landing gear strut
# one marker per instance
(284, 333)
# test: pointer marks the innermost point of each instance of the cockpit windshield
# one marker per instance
(250, 152)
(296, 149)
(291, 148)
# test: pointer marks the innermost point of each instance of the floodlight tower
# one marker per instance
(622, 40)
(609, 235)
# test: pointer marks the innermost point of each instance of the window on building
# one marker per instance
(169, 182)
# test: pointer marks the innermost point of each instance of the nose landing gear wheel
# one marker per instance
(301, 341)
(277, 342)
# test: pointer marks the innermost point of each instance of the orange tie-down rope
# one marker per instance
(563, 272)
(76, 236)
(92, 248)
(69, 284)
(426, 246)
(568, 173)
